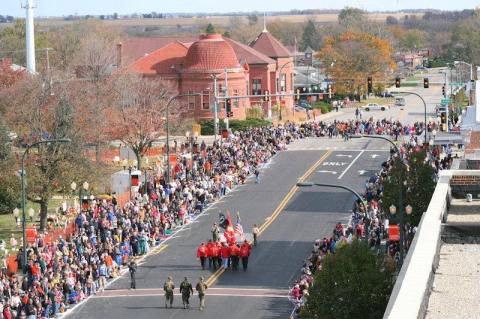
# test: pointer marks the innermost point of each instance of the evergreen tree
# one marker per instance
(418, 183)
(310, 37)
(210, 29)
(353, 283)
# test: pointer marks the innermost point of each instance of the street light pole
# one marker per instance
(424, 108)
(24, 224)
(276, 86)
(357, 195)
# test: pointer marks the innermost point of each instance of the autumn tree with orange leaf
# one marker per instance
(354, 56)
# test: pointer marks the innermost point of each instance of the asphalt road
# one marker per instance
(299, 217)
(293, 218)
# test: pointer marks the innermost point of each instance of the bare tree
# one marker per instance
(138, 116)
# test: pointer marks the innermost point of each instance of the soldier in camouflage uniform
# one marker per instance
(201, 287)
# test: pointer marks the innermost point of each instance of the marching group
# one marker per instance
(107, 236)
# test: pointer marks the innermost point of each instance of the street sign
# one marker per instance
(445, 101)
(456, 84)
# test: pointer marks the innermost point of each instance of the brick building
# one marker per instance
(190, 64)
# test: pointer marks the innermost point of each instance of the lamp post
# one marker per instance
(276, 85)
(357, 195)
(24, 224)
(73, 187)
(408, 211)
(84, 187)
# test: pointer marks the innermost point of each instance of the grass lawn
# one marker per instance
(7, 221)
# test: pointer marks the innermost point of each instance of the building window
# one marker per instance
(191, 100)
(235, 100)
(256, 87)
(283, 82)
(206, 99)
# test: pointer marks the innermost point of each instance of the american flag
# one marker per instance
(238, 227)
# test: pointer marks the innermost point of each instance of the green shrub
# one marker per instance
(207, 127)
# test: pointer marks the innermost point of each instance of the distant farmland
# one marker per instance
(220, 20)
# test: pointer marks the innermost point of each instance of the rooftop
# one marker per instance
(455, 292)
(211, 52)
(270, 46)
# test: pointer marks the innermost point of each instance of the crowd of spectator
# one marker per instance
(107, 236)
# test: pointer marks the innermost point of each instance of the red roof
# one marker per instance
(162, 61)
(138, 47)
(211, 52)
(248, 54)
(270, 46)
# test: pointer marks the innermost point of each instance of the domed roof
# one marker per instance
(211, 52)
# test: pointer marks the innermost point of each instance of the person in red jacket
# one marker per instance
(219, 254)
(210, 254)
(234, 255)
(202, 254)
(225, 255)
(244, 254)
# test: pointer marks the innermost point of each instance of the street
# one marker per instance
(290, 219)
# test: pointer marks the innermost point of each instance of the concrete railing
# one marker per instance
(409, 298)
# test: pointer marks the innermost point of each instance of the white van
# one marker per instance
(400, 101)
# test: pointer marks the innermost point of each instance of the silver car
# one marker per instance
(374, 107)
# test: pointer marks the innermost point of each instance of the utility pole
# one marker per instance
(215, 104)
(226, 97)
(446, 96)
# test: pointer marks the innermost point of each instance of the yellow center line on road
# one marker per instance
(211, 280)
(290, 194)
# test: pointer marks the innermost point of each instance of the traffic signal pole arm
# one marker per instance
(424, 106)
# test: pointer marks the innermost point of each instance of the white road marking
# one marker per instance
(361, 172)
(375, 155)
(351, 164)
(331, 172)
(344, 155)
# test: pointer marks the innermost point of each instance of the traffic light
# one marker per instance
(228, 107)
(267, 96)
(329, 91)
(443, 120)
(397, 82)
(426, 85)
(444, 92)
(297, 95)
(369, 85)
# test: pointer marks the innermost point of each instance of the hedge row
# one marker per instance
(207, 127)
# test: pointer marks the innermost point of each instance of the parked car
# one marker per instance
(304, 105)
(400, 101)
(374, 106)
(385, 94)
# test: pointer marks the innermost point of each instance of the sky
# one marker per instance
(96, 7)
